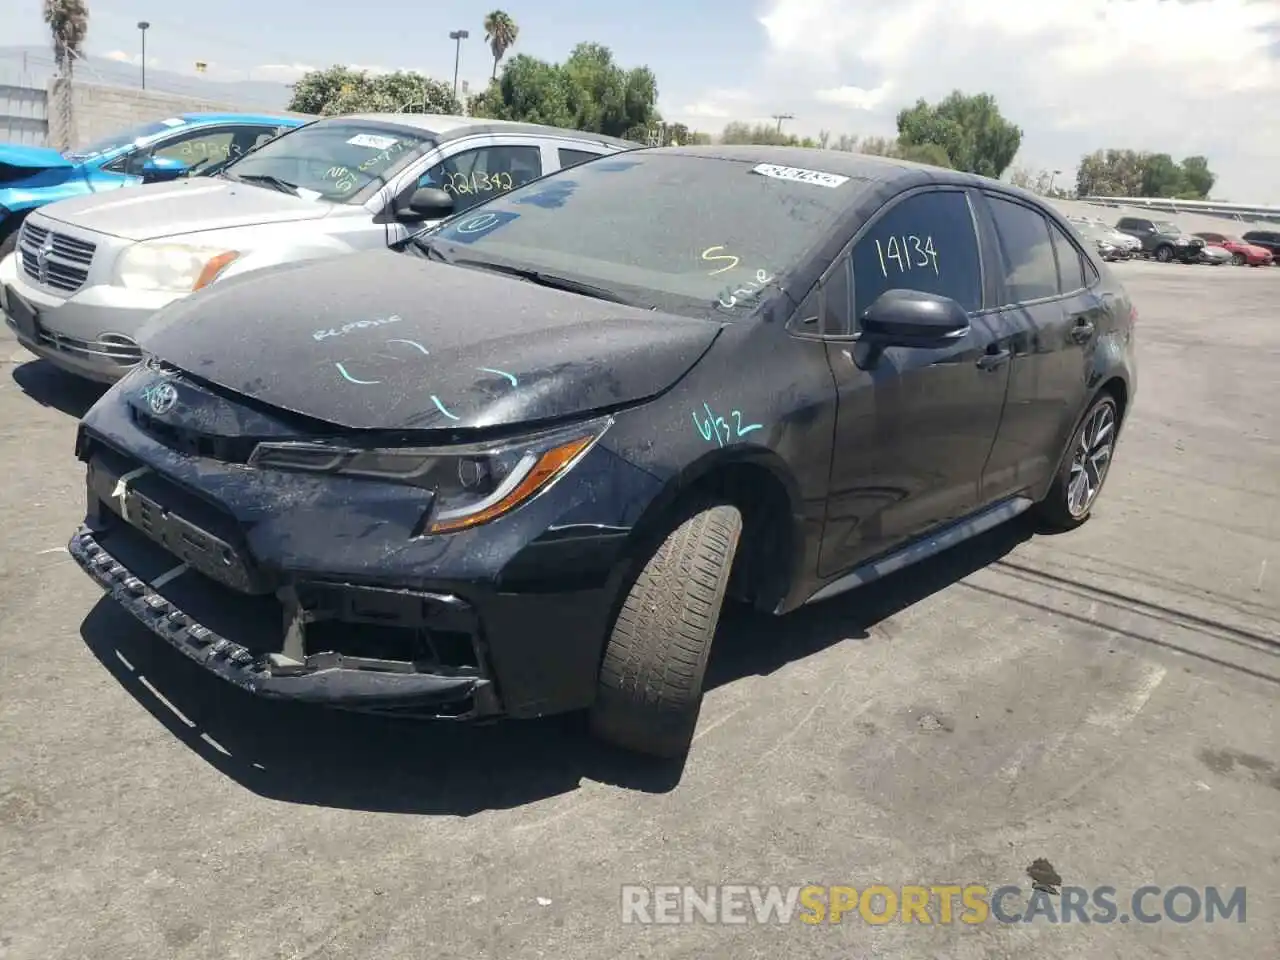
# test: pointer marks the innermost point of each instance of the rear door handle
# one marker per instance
(993, 361)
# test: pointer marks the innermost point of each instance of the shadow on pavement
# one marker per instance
(305, 754)
(50, 387)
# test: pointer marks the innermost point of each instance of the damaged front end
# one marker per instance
(182, 566)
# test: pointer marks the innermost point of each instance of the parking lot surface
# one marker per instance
(1103, 700)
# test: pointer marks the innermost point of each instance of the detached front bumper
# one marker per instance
(365, 683)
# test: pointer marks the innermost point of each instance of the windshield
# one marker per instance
(333, 160)
(123, 139)
(699, 236)
(1164, 226)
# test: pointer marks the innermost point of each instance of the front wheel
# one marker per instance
(1084, 467)
(1164, 254)
(1238, 259)
(649, 690)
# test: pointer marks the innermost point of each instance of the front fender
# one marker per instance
(45, 186)
(276, 256)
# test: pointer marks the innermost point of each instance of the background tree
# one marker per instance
(970, 131)
(500, 32)
(589, 91)
(340, 90)
(68, 22)
(1129, 173)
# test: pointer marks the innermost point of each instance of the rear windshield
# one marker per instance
(332, 160)
(687, 234)
(124, 138)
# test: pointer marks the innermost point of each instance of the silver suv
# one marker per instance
(89, 271)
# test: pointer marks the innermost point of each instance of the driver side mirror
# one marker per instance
(426, 203)
(912, 318)
(160, 169)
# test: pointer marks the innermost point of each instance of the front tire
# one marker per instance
(1238, 259)
(649, 690)
(1084, 467)
(1164, 254)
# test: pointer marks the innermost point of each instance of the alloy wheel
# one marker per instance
(1091, 459)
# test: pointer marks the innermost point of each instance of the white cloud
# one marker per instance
(285, 72)
(1172, 75)
(855, 98)
(717, 107)
(135, 58)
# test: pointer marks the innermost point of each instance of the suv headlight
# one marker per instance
(473, 483)
(173, 267)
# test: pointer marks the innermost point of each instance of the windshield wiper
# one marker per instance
(551, 280)
(267, 180)
(429, 249)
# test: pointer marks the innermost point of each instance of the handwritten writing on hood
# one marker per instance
(319, 335)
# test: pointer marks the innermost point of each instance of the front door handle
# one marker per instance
(1082, 331)
(994, 360)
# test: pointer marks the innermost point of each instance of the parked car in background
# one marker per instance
(516, 469)
(1162, 239)
(1267, 239)
(1241, 251)
(1111, 243)
(328, 188)
(31, 177)
(1215, 255)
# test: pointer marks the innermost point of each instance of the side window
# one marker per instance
(926, 243)
(204, 147)
(1071, 270)
(571, 158)
(837, 314)
(1026, 254)
(474, 176)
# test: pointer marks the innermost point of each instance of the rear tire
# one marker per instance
(1084, 467)
(649, 690)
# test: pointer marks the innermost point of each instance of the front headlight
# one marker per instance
(1181, 242)
(473, 484)
(173, 267)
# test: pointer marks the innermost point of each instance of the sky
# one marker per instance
(1177, 76)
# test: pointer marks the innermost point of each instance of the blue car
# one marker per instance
(166, 149)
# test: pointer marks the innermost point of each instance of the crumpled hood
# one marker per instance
(383, 340)
(190, 205)
(32, 158)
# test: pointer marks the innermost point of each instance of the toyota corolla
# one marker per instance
(516, 469)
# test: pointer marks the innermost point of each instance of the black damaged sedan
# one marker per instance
(517, 468)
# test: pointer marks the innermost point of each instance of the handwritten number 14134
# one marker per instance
(907, 253)
(715, 428)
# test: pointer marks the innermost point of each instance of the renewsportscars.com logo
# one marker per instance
(935, 904)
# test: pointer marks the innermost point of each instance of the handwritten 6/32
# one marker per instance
(714, 427)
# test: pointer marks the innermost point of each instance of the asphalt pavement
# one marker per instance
(1102, 700)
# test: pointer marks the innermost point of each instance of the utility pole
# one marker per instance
(457, 36)
(1052, 175)
(143, 26)
(780, 117)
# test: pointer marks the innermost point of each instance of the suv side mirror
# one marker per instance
(912, 318)
(426, 203)
(160, 169)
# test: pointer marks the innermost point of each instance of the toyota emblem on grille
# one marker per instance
(160, 397)
(42, 259)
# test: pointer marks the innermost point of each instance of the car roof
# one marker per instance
(242, 118)
(443, 127)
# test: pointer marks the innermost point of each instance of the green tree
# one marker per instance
(929, 153)
(500, 32)
(970, 131)
(589, 91)
(1129, 173)
(340, 90)
(68, 22)
(1198, 177)
(766, 134)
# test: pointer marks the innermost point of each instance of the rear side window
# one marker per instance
(1071, 269)
(927, 243)
(1026, 259)
(571, 158)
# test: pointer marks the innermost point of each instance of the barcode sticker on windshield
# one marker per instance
(798, 175)
(372, 141)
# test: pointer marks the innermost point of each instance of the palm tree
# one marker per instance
(68, 22)
(500, 32)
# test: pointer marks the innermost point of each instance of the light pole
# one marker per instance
(143, 26)
(457, 36)
(782, 116)
(1052, 174)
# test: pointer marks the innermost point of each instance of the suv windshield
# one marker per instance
(693, 235)
(123, 139)
(332, 160)
(1165, 226)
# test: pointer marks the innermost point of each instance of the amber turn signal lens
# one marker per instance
(213, 268)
